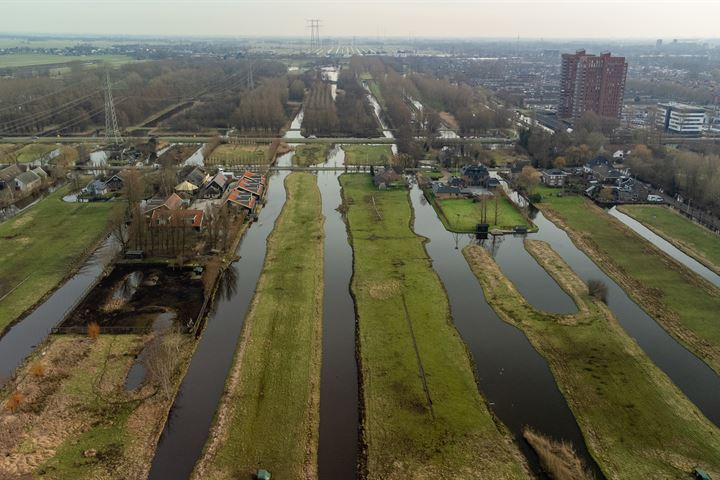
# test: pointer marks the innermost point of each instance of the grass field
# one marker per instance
(35, 59)
(230, 154)
(310, 154)
(375, 90)
(74, 402)
(463, 215)
(691, 238)
(270, 413)
(685, 304)
(636, 422)
(405, 330)
(41, 246)
(367, 154)
(33, 151)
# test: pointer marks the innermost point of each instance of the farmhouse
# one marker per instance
(96, 188)
(173, 202)
(115, 183)
(474, 175)
(178, 218)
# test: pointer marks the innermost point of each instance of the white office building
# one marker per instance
(680, 118)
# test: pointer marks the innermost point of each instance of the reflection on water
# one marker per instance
(513, 377)
(228, 284)
(339, 402)
(191, 415)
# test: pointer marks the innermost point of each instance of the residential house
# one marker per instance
(553, 177)
(40, 173)
(245, 201)
(474, 175)
(173, 202)
(181, 217)
(255, 177)
(7, 176)
(215, 187)
(96, 188)
(197, 177)
(443, 191)
(386, 177)
(28, 181)
(115, 183)
(248, 186)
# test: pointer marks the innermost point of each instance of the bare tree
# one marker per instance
(162, 359)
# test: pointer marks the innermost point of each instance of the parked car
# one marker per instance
(655, 198)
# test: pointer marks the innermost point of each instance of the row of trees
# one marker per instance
(693, 175)
(320, 115)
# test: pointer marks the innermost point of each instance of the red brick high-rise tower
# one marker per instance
(593, 83)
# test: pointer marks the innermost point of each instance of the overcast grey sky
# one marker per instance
(453, 18)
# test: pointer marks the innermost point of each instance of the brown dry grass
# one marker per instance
(558, 459)
(384, 290)
(37, 369)
(93, 330)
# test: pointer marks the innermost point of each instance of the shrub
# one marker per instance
(93, 330)
(598, 289)
(13, 403)
(37, 369)
(535, 198)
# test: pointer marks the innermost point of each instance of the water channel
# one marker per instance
(667, 247)
(191, 415)
(690, 374)
(339, 403)
(514, 378)
(27, 333)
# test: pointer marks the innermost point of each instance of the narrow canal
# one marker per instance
(339, 403)
(667, 247)
(514, 378)
(693, 376)
(191, 415)
(27, 333)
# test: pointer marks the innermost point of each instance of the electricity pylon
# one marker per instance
(112, 131)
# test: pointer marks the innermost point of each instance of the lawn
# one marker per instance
(270, 413)
(32, 59)
(42, 246)
(682, 232)
(413, 429)
(310, 154)
(77, 419)
(32, 152)
(463, 215)
(635, 420)
(368, 154)
(681, 301)
(230, 154)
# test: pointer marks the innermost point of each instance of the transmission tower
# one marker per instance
(112, 131)
(314, 26)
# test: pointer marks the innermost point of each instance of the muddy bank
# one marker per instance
(131, 297)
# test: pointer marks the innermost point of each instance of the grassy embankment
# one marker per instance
(367, 154)
(414, 429)
(681, 301)
(463, 215)
(72, 416)
(310, 154)
(230, 154)
(635, 420)
(41, 246)
(32, 152)
(693, 239)
(377, 93)
(269, 416)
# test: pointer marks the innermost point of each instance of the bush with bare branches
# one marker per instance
(14, 401)
(93, 330)
(598, 289)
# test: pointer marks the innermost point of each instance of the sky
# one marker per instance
(370, 18)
